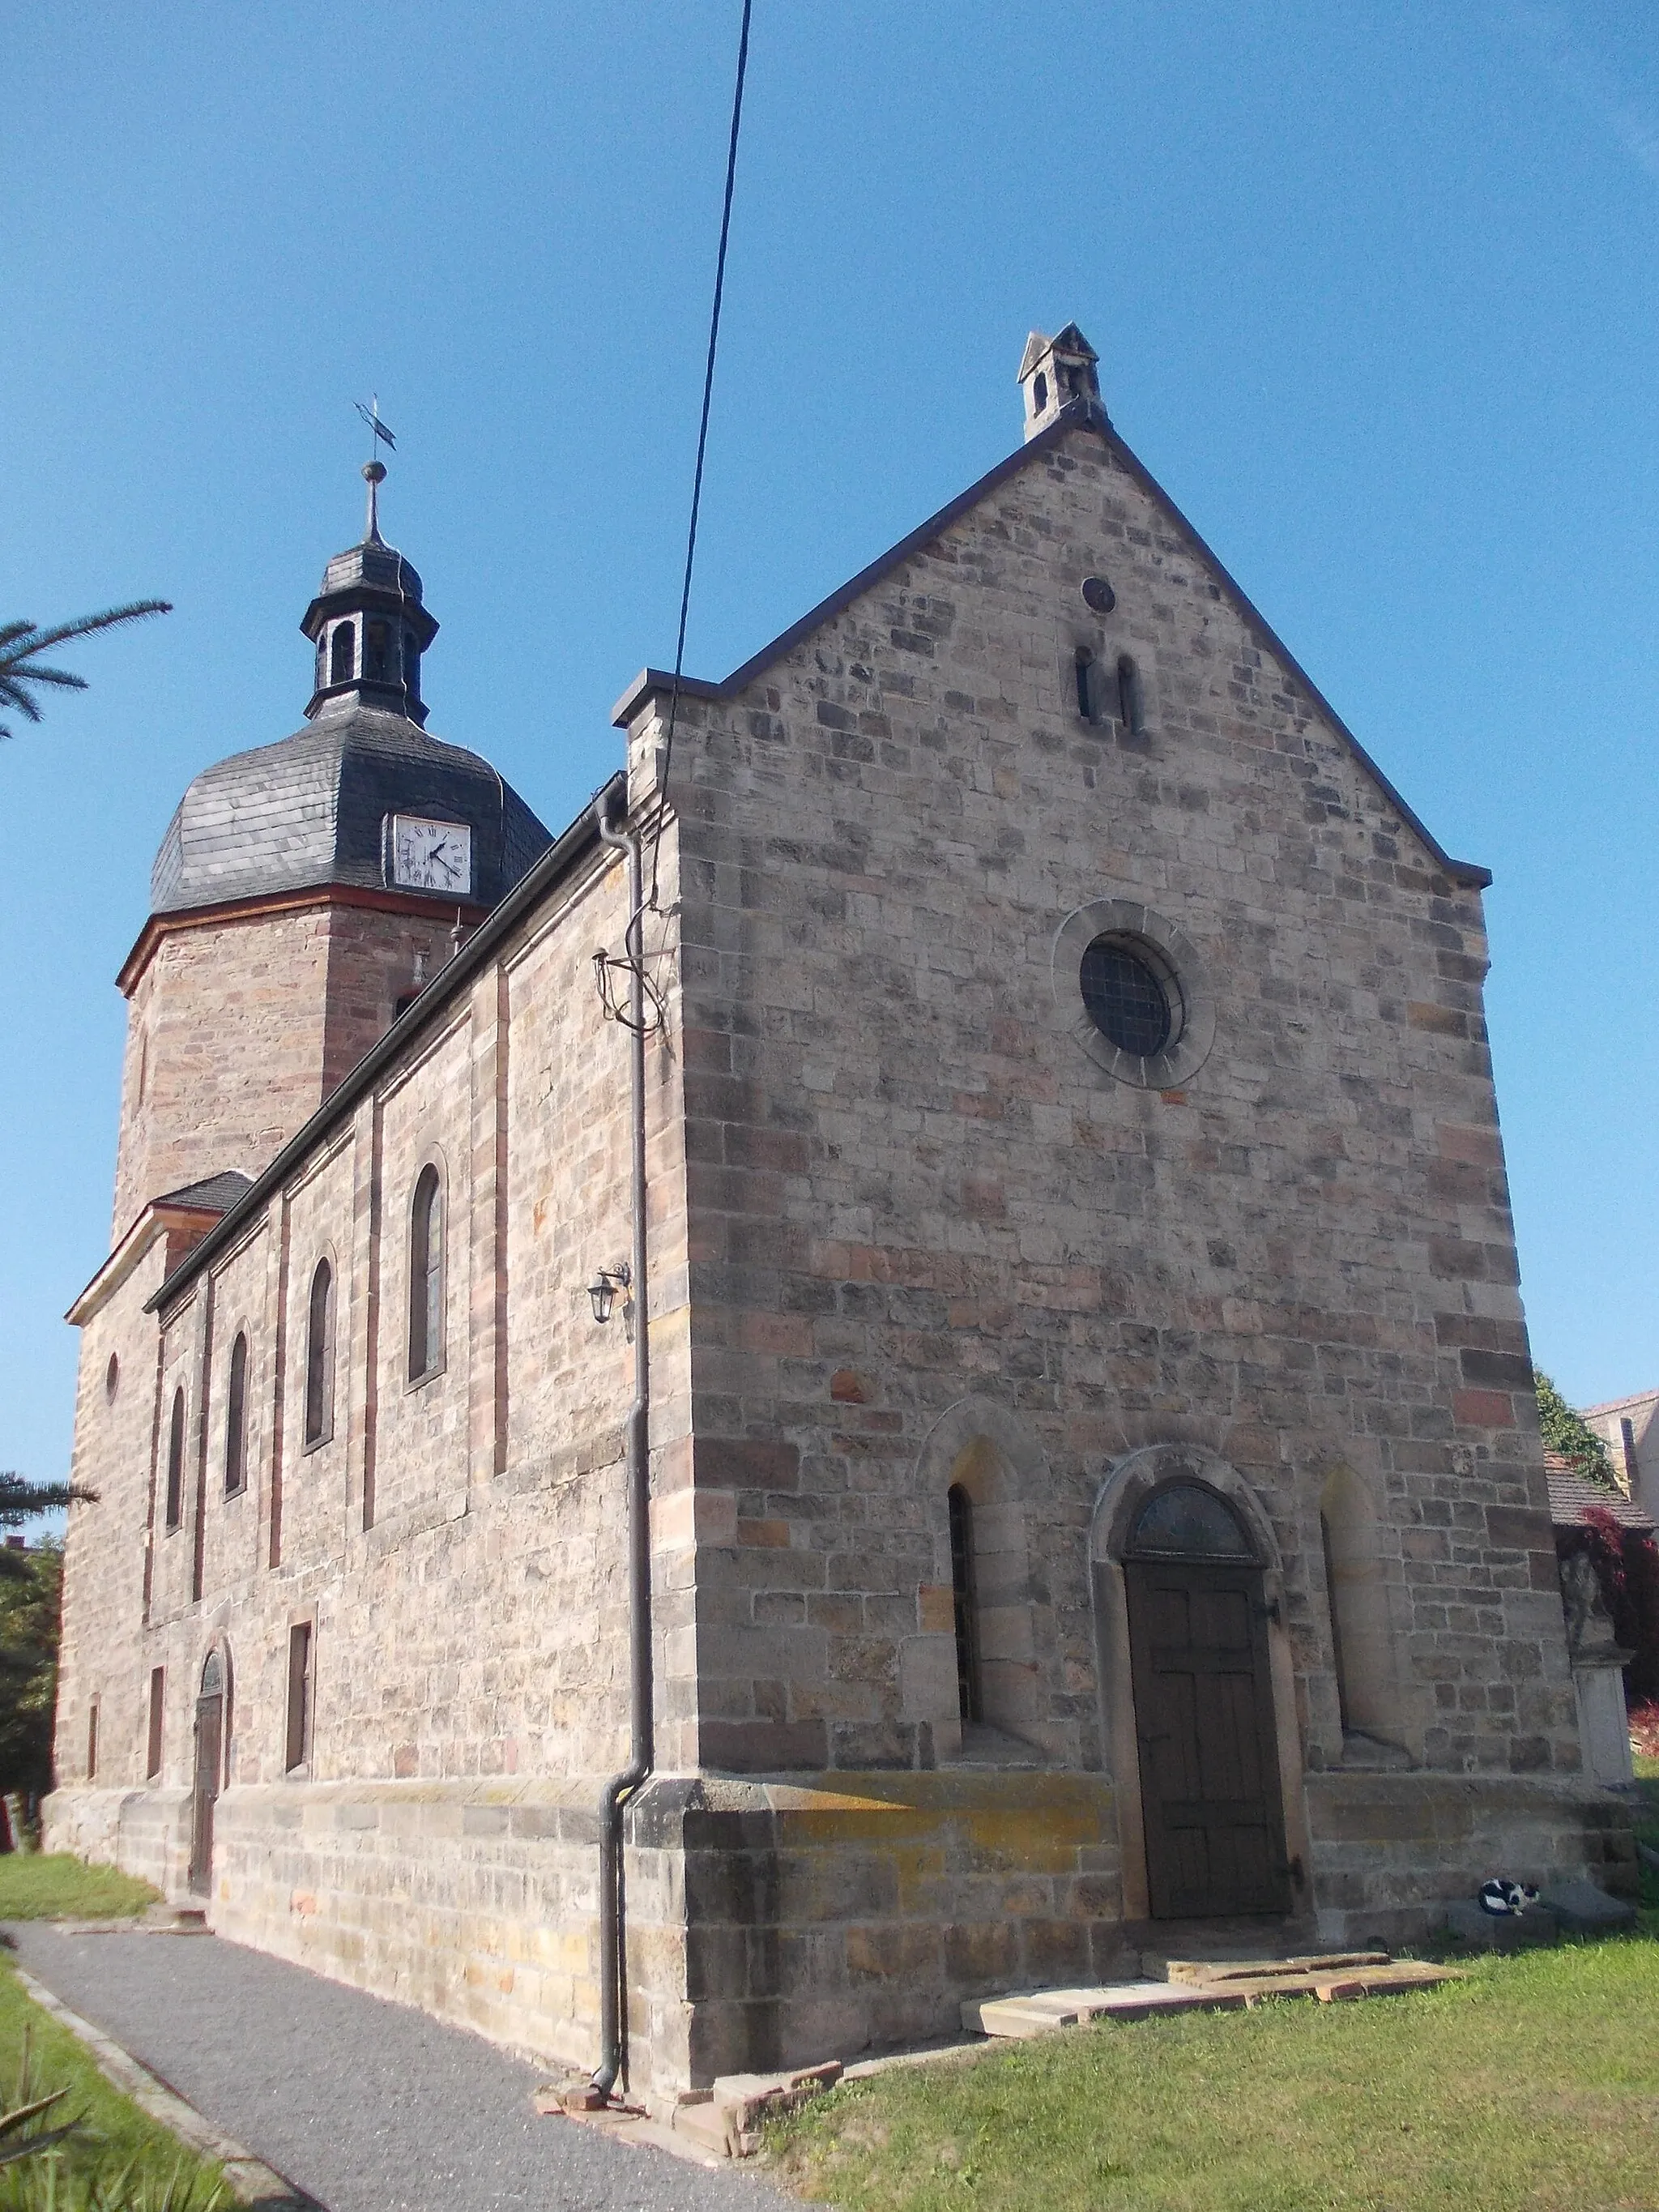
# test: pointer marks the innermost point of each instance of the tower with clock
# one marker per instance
(305, 892)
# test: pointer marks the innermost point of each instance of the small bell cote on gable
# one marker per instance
(1055, 372)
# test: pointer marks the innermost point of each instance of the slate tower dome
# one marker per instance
(305, 891)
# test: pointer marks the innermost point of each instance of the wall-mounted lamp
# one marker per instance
(604, 1286)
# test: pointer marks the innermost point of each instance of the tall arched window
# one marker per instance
(426, 1276)
(236, 1418)
(176, 1461)
(377, 653)
(1367, 1689)
(319, 1357)
(343, 654)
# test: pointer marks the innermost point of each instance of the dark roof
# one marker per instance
(1573, 1496)
(310, 810)
(564, 854)
(1077, 414)
(215, 1194)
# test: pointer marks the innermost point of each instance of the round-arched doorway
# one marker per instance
(1211, 1803)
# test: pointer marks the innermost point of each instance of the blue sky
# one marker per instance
(1374, 289)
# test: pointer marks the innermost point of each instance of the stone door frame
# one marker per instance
(1125, 1491)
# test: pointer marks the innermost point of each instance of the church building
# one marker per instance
(888, 1370)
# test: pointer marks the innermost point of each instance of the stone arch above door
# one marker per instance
(1134, 1478)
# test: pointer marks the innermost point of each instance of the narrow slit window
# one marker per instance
(1039, 392)
(319, 1357)
(343, 654)
(411, 665)
(236, 1418)
(968, 1698)
(1131, 698)
(1633, 1465)
(157, 1707)
(1344, 1703)
(426, 1276)
(175, 1507)
(92, 1740)
(297, 1749)
(1086, 683)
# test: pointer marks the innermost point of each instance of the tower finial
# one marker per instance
(374, 476)
(373, 471)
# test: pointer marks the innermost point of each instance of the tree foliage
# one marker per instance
(30, 1594)
(20, 670)
(1567, 1432)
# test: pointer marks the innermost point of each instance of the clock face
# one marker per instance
(431, 856)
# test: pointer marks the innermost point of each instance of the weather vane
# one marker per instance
(374, 468)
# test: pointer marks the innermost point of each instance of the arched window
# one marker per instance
(1039, 392)
(426, 1276)
(1368, 1695)
(319, 1357)
(343, 654)
(998, 1677)
(969, 1696)
(236, 1418)
(377, 653)
(1130, 700)
(176, 1461)
(411, 665)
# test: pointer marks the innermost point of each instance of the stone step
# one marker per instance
(1337, 1978)
(1236, 1970)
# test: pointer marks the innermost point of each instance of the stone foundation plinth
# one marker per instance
(773, 1923)
(1390, 1850)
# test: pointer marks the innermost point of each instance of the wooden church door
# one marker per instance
(1210, 1790)
(210, 1754)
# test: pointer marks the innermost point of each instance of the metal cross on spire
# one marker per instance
(374, 468)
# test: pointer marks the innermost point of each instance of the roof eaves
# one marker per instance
(1077, 413)
(566, 850)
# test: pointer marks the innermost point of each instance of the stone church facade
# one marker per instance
(1095, 1479)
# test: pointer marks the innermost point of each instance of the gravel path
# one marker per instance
(368, 2107)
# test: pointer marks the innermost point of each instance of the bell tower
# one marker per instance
(1057, 373)
(369, 625)
(305, 892)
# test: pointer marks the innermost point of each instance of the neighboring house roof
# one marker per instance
(1077, 414)
(1572, 1497)
(1622, 1404)
(215, 1194)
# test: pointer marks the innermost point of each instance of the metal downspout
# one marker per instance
(613, 1996)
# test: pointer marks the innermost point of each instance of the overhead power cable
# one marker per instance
(703, 443)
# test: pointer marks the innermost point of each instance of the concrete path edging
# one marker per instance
(250, 2180)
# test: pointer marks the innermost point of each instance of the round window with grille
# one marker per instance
(1134, 992)
(1131, 996)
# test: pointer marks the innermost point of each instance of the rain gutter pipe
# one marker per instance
(613, 2005)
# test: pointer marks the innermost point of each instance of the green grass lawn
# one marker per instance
(40, 1886)
(1532, 2086)
(36, 2056)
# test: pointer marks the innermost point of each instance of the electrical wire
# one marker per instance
(702, 444)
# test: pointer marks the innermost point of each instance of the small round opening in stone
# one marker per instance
(1125, 997)
(1098, 594)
